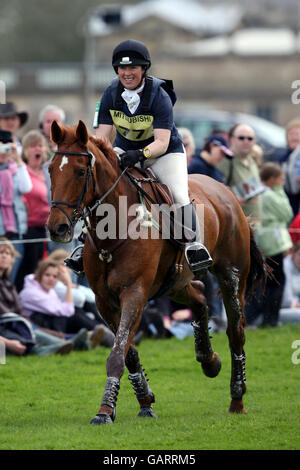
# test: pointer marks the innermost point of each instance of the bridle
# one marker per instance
(78, 210)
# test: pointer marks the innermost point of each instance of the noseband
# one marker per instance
(78, 212)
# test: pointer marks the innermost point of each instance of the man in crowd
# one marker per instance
(242, 173)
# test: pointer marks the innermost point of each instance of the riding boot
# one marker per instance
(196, 253)
(75, 261)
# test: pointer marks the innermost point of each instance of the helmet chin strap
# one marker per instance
(141, 82)
(142, 79)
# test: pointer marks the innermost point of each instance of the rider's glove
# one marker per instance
(130, 158)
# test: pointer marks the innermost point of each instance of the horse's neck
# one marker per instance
(121, 197)
(106, 178)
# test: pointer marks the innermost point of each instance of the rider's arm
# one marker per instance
(161, 142)
(104, 130)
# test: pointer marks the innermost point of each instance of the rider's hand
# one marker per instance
(130, 158)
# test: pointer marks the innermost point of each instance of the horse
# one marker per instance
(125, 273)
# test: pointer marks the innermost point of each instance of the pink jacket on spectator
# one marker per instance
(36, 299)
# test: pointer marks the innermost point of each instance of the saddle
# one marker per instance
(144, 179)
(152, 191)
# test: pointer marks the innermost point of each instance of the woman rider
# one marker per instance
(141, 110)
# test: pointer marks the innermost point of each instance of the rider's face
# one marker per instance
(130, 75)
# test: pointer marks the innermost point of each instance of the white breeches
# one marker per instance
(171, 169)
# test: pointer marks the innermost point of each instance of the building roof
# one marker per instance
(189, 15)
(245, 42)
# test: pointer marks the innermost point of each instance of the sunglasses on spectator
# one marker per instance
(242, 137)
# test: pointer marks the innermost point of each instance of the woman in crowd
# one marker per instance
(291, 294)
(42, 304)
(16, 332)
(12, 120)
(83, 298)
(34, 154)
(14, 182)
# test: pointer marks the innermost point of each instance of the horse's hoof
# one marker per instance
(102, 419)
(236, 406)
(212, 368)
(147, 412)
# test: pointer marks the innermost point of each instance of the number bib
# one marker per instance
(134, 128)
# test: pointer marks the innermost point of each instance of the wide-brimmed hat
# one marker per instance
(221, 142)
(10, 109)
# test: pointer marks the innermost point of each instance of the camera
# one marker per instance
(5, 148)
(6, 139)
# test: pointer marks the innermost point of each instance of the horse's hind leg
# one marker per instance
(233, 288)
(139, 382)
(210, 360)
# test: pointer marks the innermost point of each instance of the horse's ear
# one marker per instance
(82, 132)
(57, 133)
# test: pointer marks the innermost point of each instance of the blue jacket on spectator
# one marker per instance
(200, 166)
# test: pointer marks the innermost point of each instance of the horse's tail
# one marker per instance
(259, 270)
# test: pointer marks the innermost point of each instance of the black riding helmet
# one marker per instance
(131, 52)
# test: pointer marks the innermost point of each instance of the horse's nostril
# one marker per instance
(61, 229)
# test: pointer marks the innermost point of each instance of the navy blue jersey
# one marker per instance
(136, 131)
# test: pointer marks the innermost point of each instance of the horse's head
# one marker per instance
(72, 179)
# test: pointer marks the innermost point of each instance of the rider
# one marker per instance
(141, 109)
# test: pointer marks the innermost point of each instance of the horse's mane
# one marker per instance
(106, 147)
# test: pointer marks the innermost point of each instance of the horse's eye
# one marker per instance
(81, 173)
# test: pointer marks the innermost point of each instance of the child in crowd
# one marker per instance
(274, 240)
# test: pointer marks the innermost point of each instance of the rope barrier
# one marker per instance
(32, 240)
(40, 240)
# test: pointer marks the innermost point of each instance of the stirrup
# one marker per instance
(74, 262)
(197, 256)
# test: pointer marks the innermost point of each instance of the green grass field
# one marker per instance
(47, 403)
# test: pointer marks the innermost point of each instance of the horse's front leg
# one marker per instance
(132, 302)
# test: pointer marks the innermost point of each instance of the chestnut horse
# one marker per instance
(125, 273)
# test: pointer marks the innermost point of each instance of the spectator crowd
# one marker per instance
(45, 309)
